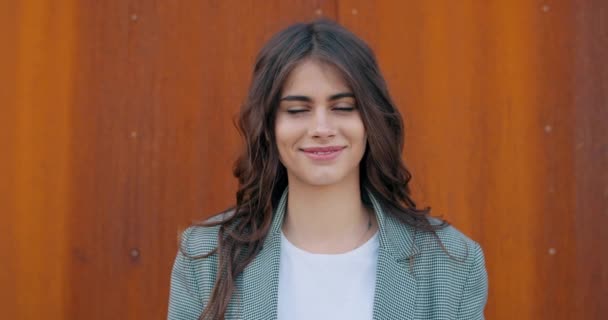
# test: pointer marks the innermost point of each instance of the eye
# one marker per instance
(345, 108)
(296, 111)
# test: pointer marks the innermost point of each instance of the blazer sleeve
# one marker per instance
(475, 292)
(185, 302)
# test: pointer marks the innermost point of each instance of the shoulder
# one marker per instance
(195, 269)
(459, 266)
(447, 263)
(199, 240)
(448, 239)
(448, 251)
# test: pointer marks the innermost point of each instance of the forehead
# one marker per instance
(315, 78)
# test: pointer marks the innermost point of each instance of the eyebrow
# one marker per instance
(308, 99)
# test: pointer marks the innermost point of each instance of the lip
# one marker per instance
(323, 153)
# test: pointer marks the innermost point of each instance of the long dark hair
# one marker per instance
(261, 176)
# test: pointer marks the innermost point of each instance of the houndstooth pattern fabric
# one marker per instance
(416, 278)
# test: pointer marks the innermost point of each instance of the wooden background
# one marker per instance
(116, 132)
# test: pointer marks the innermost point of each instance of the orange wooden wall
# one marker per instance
(115, 132)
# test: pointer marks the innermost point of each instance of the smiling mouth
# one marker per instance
(322, 149)
(323, 153)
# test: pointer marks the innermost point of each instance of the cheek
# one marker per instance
(358, 133)
(285, 136)
(363, 134)
(281, 132)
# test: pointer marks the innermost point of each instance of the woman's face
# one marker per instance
(319, 133)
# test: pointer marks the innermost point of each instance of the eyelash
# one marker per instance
(342, 109)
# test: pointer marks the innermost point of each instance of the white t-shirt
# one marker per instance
(327, 286)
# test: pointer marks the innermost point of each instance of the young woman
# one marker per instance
(324, 226)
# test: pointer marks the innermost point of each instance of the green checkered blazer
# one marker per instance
(415, 277)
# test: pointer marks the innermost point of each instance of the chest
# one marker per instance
(318, 286)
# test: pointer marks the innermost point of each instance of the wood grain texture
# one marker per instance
(590, 122)
(37, 122)
(116, 132)
(8, 176)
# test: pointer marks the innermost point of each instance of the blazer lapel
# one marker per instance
(396, 287)
(260, 279)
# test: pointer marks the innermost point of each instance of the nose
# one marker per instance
(322, 125)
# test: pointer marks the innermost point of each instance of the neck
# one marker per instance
(327, 219)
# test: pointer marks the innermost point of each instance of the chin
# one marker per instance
(322, 182)
(322, 179)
